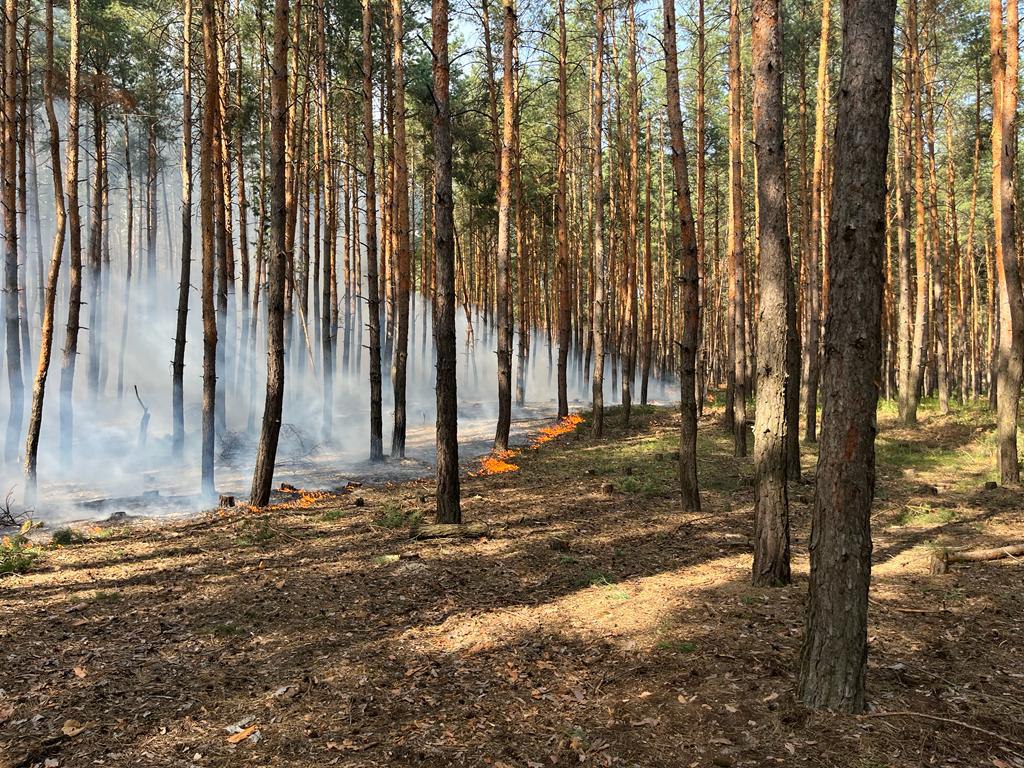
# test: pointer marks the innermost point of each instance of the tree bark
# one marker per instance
(266, 451)
(70, 354)
(688, 299)
(561, 214)
(834, 655)
(56, 256)
(373, 291)
(771, 501)
(1004, 206)
(503, 284)
(737, 278)
(448, 503)
(208, 193)
(181, 326)
(401, 235)
(12, 319)
(597, 236)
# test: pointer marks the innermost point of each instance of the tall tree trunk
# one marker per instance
(737, 278)
(11, 287)
(266, 451)
(632, 197)
(448, 502)
(597, 242)
(561, 214)
(70, 354)
(208, 173)
(833, 661)
(181, 326)
(401, 231)
(373, 294)
(689, 299)
(774, 363)
(503, 284)
(1004, 206)
(56, 255)
(129, 256)
(818, 225)
(917, 350)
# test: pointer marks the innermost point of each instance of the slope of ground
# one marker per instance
(595, 624)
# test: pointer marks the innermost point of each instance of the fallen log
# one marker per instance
(450, 531)
(942, 559)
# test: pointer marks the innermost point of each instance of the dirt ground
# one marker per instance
(591, 626)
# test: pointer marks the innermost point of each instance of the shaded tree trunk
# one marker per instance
(448, 502)
(833, 660)
(373, 291)
(266, 451)
(689, 300)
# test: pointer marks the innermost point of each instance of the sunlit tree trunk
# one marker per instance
(70, 354)
(208, 174)
(184, 288)
(1004, 54)
(56, 255)
(597, 235)
(817, 225)
(561, 223)
(503, 284)
(401, 231)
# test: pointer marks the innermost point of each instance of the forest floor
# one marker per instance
(591, 626)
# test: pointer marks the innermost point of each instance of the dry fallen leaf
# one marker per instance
(242, 735)
(79, 672)
(73, 727)
(6, 710)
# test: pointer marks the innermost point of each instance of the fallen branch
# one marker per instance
(961, 723)
(450, 531)
(942, 559)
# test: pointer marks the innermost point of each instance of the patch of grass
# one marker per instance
(17, 553)
(66, 537)
(103, 596)
(567, 560)
(926, 516)
(595, 579)
(677, 646)
(392, 516)
(386, 559)
(226, 629)
(333, 515)
(256, 533)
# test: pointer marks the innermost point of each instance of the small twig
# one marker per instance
(961, 723)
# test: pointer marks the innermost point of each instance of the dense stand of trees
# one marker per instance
(349, 168)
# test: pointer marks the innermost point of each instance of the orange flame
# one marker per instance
(498, 462)
(562, 427)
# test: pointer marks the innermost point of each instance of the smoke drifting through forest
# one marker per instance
(123, 447)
